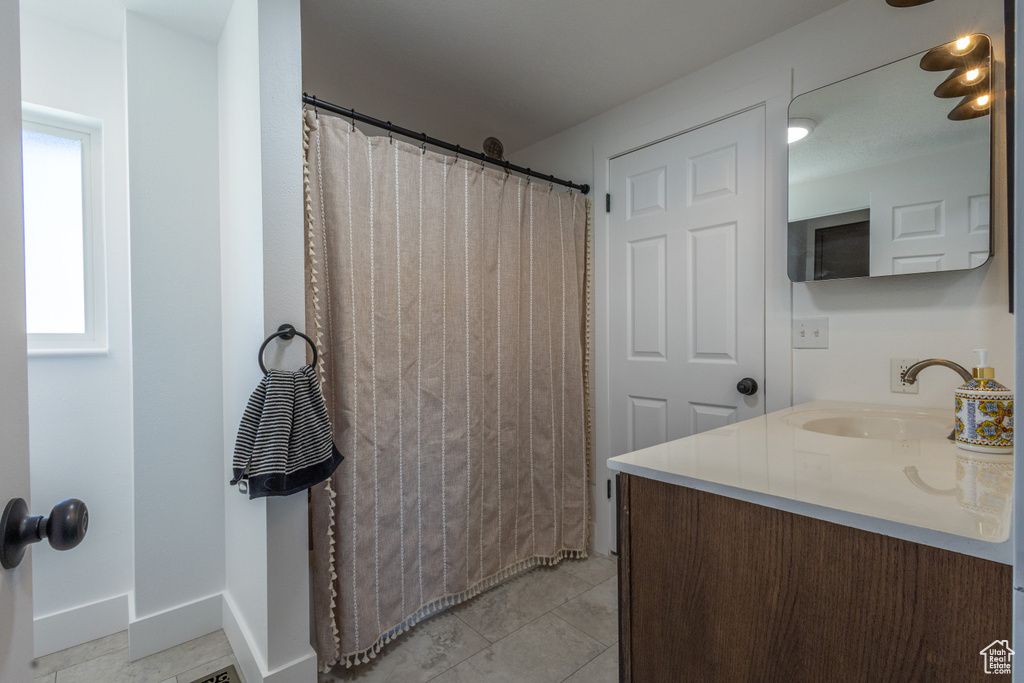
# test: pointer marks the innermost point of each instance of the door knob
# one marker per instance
(64, 528)
(747, 386)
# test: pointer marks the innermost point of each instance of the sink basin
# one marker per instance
(892, 425)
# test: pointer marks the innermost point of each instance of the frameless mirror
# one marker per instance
(894, 175)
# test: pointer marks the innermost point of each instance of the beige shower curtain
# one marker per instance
(447, 302)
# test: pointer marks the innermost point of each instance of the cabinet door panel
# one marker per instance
(716, 589)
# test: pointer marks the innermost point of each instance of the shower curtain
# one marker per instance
(448, 304)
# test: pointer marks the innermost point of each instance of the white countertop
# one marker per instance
(960, 501)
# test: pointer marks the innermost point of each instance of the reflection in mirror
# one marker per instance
(893, 176)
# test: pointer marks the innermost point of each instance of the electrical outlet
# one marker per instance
(897, 366)
(810, 333)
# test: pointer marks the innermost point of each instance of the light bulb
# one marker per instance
(962, 43)
(982, 101)
(971, 75)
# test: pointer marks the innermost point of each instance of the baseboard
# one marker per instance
(302, 670)
(78, 625)
(157, 632)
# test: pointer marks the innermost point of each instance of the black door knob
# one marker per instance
(64, 528)
(747, 386)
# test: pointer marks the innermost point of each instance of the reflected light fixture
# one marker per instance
(799, 129)
(907, 3)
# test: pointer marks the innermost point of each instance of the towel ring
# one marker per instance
(285, 332)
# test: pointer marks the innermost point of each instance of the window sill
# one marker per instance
(69, 351)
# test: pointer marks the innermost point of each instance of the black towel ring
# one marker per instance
(285, 332)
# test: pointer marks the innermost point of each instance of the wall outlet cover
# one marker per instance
(810, 333)
(897, 366)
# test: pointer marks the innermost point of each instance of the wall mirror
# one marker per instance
(894, 175)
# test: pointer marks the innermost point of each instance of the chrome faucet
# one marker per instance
(910, 375)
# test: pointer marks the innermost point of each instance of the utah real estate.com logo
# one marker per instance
(998, 657)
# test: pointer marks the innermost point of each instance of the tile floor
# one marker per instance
(106, 660)
(550, 625)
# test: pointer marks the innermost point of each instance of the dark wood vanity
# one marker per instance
(717, 589)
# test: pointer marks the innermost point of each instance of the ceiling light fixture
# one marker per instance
(799, 129)
(907, 3)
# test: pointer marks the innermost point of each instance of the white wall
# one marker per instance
(266, 612)
(242, 305)
(176, 317)
(80, 411)
(923, 315)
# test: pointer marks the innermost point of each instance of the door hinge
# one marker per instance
(609, 489)
(607, 203)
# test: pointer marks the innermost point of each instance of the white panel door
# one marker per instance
(15, 584)
(940, 226)
(686, 283)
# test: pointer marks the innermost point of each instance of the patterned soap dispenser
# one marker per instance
(984, 411)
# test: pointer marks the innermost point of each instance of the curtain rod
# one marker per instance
(423, 137)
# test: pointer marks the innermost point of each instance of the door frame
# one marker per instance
(16, 636)
(774, 94)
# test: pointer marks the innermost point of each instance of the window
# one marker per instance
(65, 297)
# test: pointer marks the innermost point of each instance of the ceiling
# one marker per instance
(462, 70)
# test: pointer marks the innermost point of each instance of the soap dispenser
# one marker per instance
(984, 411)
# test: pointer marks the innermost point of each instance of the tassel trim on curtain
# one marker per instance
(430, 609)
(314, 286)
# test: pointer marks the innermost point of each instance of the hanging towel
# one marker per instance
(284, 442)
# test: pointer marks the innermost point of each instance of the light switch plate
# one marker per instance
(810, 333)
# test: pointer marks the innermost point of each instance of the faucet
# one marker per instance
(910, 376)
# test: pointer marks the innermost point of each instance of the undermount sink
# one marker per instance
(870, 424)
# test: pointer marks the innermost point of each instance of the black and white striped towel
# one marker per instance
(284, 442)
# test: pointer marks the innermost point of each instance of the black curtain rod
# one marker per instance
(423, 137)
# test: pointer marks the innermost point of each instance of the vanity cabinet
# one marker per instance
(717, 589)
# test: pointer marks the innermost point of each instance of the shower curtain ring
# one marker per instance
(353, 117)
(458, 150)
(391, 139)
